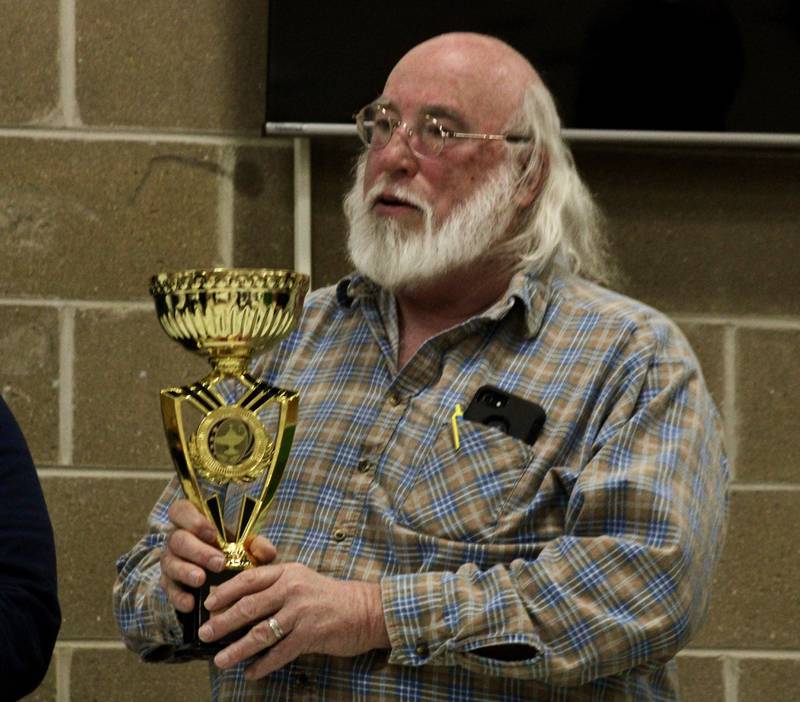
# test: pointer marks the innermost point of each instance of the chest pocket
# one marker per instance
(459, 494)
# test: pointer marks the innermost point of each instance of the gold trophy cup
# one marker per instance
(215, 428)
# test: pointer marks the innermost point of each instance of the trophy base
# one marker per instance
(191, 622)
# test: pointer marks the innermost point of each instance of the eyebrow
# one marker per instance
(438, 111)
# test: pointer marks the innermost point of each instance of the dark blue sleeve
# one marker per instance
(29, 612)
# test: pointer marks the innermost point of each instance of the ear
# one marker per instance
(529, 189)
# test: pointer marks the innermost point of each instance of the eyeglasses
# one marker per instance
(427, 138)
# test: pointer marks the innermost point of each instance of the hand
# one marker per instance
(316, 614)
(191, 547)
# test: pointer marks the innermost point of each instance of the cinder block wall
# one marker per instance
(129, 145)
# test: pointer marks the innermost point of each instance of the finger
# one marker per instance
(275, 658)
(181, 600)
(185, 546)
(260, 637)
(184, 515)
(181, 571)
(248, 582)
(248, 611)
(262, 550)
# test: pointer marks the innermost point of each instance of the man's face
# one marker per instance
(463, 98)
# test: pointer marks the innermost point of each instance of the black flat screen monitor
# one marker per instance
(657, 66)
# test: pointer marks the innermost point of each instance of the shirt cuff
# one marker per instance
(442, 618)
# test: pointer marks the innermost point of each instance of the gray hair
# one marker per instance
(563, 228)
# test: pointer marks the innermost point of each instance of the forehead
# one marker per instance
(449, 82)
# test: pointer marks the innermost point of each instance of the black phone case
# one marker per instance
(512, 415)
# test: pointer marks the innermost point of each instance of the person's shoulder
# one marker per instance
(591, 305)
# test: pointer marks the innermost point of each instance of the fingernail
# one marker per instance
(205, 632)
(197, 578)
(216, 563)
(211, 600)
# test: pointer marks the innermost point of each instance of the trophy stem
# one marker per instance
(230, 363)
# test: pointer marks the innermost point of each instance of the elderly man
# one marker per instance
(420, 552)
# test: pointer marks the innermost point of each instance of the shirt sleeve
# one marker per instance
(626, 583)
(30, 616)
(145, 616)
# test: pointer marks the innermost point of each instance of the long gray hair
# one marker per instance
(563, 228)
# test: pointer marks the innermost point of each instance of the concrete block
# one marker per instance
(708, 343)
(95, 520)
(29, 73)
(264, 206)
(170, 64)
(333, 163)
(773, 680)
(700, 679)
(122, 361)
(94, 220)
(29, 375)
(754, 603)
(767, 382)
(700, 231)
(122, 677)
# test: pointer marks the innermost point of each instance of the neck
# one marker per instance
(425, 311)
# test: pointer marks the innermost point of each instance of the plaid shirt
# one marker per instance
(591, 551)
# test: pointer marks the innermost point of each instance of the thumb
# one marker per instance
(262, 550)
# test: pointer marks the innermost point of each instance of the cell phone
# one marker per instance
(512, 415)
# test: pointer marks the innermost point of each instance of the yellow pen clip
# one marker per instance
(454, 425)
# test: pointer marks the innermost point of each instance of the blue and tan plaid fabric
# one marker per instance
(587, 555)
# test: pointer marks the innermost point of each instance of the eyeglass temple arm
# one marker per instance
(489, 137)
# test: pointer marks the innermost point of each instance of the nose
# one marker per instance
(398, 155)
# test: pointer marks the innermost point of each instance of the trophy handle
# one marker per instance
(253, 512)
(172, 413)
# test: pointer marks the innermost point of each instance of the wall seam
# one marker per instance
(730, 679)
(226, 205)
(730, 409)
(63, 672)
(67, 65)
(66, 390)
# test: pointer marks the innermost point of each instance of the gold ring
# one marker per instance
(276, 628)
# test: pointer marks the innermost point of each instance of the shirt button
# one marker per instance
(364, 465)
(394, 399)
(302, 680)
(422, 650)
(339, 535)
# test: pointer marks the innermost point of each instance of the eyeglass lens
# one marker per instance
(376, 125)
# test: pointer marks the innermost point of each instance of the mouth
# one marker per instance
(389, 204)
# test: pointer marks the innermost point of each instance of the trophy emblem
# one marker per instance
(216, 428)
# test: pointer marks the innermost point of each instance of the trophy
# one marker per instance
(215, 428)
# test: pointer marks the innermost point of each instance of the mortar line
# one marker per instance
(67, 64)
(85, 644)
(225, 206)
(765, 487)
(729, 397)
(63, 673)
(730, 679)
(117, 306)
(66, 379)
(740, 654)
(775, 323)
(105, 473)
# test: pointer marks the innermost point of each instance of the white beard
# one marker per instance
(401, 257)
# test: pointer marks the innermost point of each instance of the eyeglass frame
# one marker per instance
(395, 122)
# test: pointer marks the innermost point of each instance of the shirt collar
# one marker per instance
(529, 290)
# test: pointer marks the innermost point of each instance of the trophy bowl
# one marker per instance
(228, 313)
